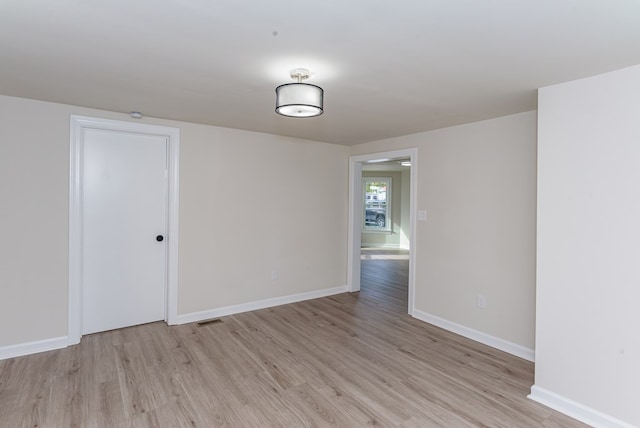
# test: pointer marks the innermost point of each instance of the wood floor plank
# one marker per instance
(349, 360)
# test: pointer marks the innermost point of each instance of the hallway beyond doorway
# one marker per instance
(384, 274)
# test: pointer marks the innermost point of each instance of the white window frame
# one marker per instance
(388, 204)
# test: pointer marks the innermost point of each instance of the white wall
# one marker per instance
(34, 182)
(588, 321)
(477, 183)
(253, 203)
(250, 203)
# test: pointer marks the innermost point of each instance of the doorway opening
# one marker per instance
(382, 214)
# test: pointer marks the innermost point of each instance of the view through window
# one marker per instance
(377, 203)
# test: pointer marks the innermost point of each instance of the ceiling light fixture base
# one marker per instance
(300, 74)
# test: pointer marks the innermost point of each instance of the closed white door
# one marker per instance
(123, 215)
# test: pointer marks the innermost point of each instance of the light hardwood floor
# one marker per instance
(349, 360)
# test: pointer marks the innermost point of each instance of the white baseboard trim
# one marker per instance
(575, 410)
(22, 349)
(28, 348)
(478, 336)
(260, 304)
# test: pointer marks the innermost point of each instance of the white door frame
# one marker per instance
(78, 125)
(355, 216)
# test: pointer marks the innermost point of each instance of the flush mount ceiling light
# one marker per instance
(299, 99)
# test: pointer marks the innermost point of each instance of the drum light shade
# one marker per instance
(299, 99)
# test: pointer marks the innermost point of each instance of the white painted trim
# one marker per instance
(173, 226)
(389, 246)
(29, 348)
(354, 239)
(575, 410)
(413, 216)
(260, 304)
(355, 217)
(77, 126)
(74, 327)
(478, 336)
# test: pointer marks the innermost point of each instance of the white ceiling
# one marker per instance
(389, 68)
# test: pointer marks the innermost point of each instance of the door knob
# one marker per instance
(159, 238)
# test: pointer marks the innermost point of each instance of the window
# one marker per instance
(377, 203)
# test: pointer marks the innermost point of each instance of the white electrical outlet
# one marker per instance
(274, 275)
(481, 301)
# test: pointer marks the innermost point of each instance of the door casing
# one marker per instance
(78, 125)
